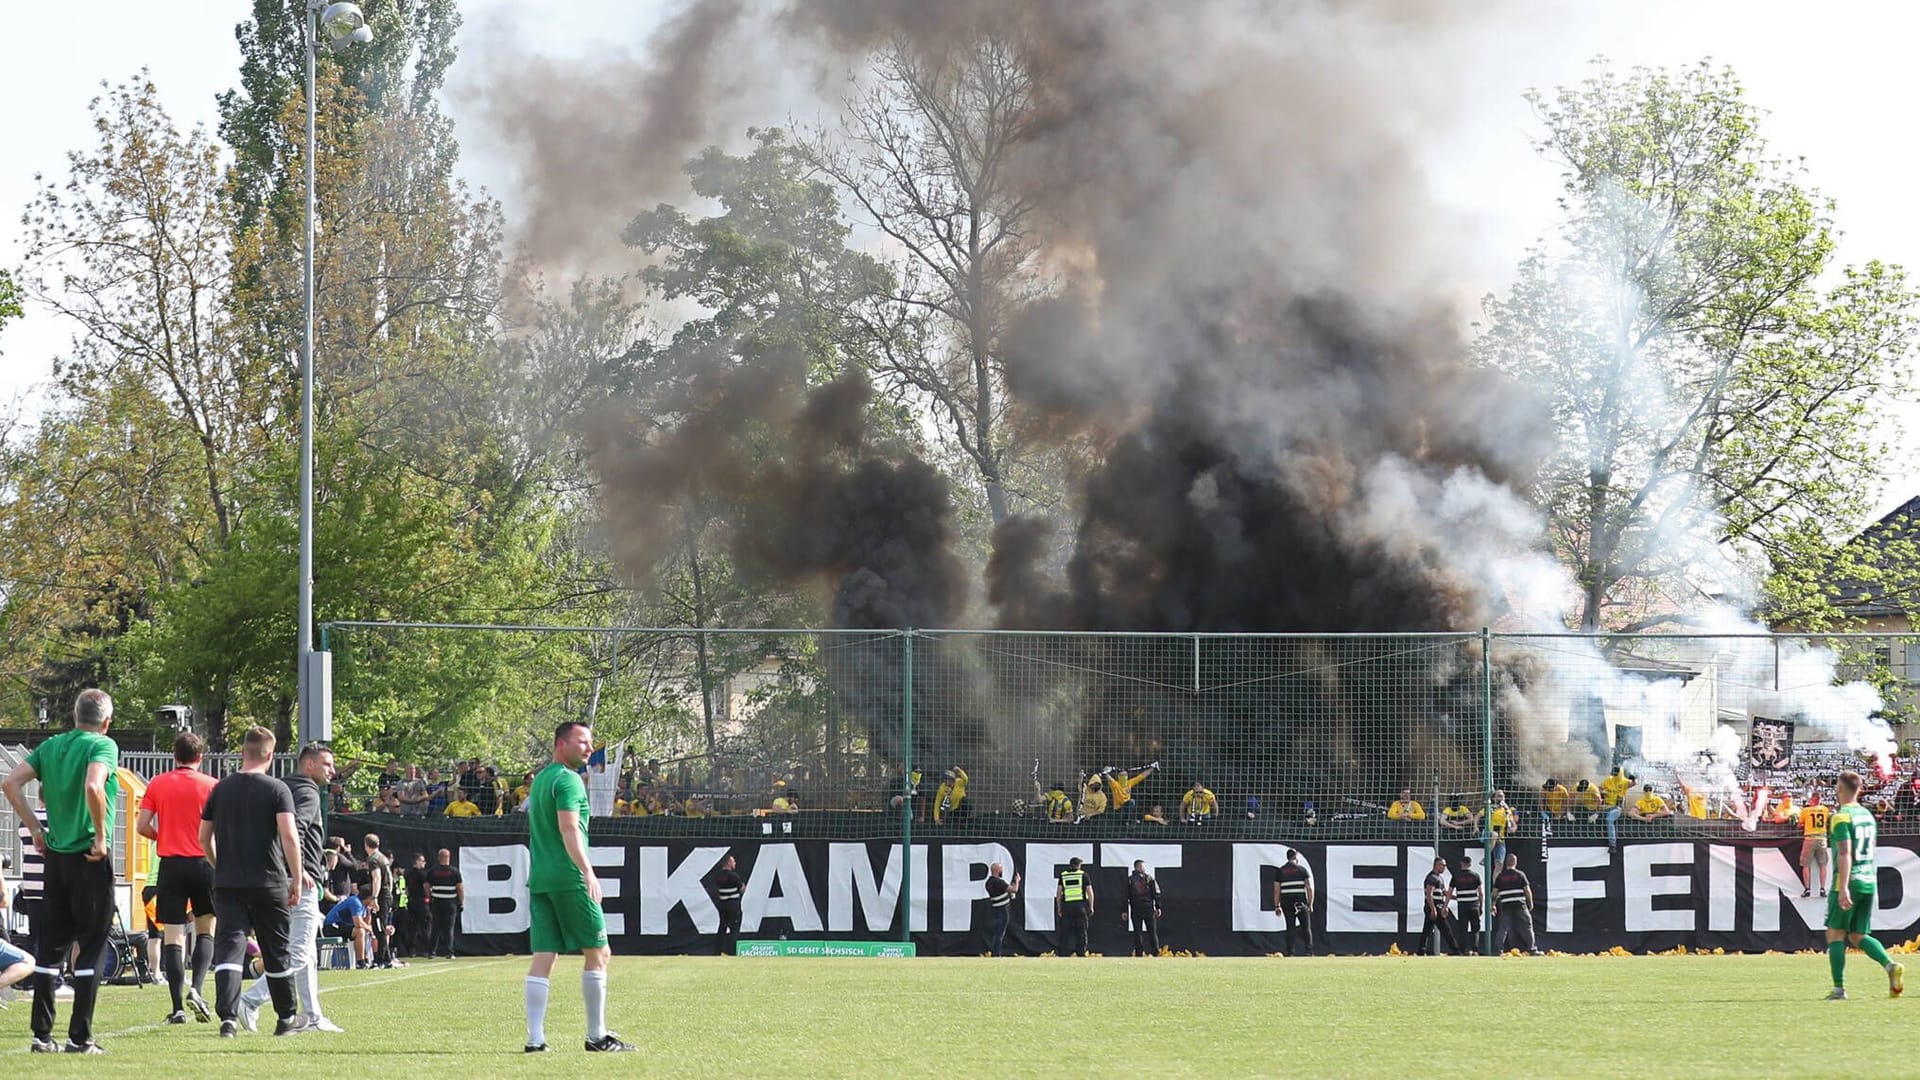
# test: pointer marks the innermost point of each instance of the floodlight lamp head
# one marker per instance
(344, 26)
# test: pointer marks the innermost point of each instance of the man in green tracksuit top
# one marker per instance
(563, 902)
(1852, 835)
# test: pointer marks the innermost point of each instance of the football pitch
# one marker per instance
(1692, 1016)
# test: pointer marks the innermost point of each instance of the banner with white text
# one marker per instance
(1217, 895)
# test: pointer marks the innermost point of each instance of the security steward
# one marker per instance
(1073, 906)
(1467, 897)
(1438, 916)
(1515, 895)
(1293, 899)
(727, 890)
(447, 895)
(1143, 910)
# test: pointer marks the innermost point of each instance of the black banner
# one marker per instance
(1218, 894)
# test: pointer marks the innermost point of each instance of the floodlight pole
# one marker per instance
(312, 725)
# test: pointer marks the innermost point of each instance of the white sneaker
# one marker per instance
(316, 1022)
(249, 1015)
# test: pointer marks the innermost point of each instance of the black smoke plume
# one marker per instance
(1253, 318)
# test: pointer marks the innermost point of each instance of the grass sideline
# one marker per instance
(1694, 1016)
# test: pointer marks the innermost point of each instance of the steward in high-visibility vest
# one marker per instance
(1073, 905)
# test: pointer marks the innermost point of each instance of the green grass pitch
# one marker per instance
(1693, 1016)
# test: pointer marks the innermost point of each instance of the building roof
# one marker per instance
(1876, 543)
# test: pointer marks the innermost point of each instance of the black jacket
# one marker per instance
(310, 823)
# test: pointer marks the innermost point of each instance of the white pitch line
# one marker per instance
(145, 1028)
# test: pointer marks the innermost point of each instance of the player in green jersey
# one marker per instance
(1850, 901)
(563, 901)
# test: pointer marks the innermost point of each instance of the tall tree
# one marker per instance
(1713, 375)
(924, 155)
(402, 70)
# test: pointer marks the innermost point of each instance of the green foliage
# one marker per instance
(1711, 376)
(9, 299)
(402, 70)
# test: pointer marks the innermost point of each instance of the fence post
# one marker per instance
(1487, 905)
(909, 788)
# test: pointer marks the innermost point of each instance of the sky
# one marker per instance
(1836, 80)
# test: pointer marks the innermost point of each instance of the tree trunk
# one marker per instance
(699, 626)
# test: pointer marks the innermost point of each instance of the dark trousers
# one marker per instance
(1442, 922)
(444, 913)
(1516, 923)
(75, 907)
(417, 931)
(381, 947)
(1299, 937)
(1073, 929)
(1469, 924)
(264, 912)
(1146, 929)
(728, 939)
(997, 919)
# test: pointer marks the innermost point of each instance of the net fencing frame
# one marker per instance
(1448, 740)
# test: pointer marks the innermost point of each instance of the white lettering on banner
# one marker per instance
(1723, 898)
(959, 888)
(1419, 865)
(1643, 886)
(1906, 864)
(778, 864)
(1774, 878)
(661, 892)
(1042, 862)
(850, 870)
(1565, 886)
(1343, 887)
(615, 857)
(1249, 911)
(476, 862)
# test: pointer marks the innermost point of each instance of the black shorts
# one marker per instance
(76, 904)
(184, 882)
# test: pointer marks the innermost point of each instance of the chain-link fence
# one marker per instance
(871, 734)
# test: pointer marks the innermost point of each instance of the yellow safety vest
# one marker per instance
(1073, 886)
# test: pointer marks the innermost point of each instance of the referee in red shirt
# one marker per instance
(170, 816)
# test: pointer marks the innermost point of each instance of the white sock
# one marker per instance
(593, 991)
(536, 1011)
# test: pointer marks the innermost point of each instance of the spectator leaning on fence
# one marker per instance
(1555, 799)
(1501, 819)
(1587, 799)
(1457, 815)
(1197, 806)
(1093, 800)
(1406, 808)
(949, 801)
(412, 793)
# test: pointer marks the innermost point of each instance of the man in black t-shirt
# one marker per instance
(1514, 893)
(1293, 899)
(1439, 917)
(727, 890)
(251, 837)
(1468, 900)
(416, 927)
(379, 897)
(1000, 897)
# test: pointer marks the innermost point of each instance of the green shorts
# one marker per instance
(565, 922)
(1855, 920)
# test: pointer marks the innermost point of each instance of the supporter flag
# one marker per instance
(1769, 743)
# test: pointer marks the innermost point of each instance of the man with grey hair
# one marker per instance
(79, 788)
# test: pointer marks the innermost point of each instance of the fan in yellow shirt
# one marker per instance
(1198, 804)
(1587, 799)
(461, 806)
(1555, 798)
(1615, 787)
(1093, 799)
(1406, 808)
(950, 795)
(1649, 807)
(1058, 803)
(1121, 782)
